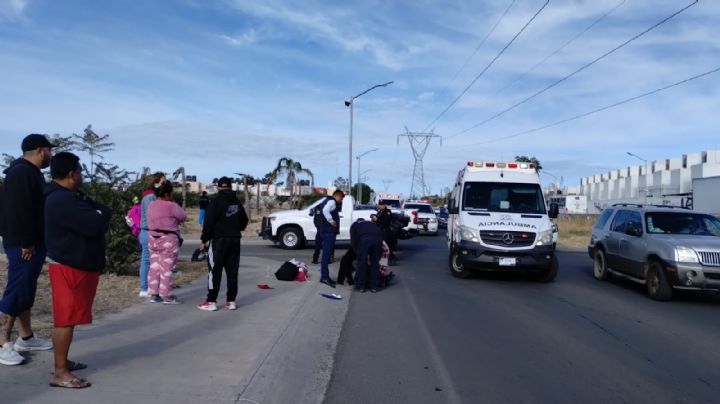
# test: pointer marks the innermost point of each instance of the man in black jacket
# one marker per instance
(384, 221)
(22, 214)
(75, 238)
(224, 220)
(366, 240)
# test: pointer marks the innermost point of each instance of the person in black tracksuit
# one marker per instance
(224, 220)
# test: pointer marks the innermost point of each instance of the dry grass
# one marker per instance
(192, 226)
(114, 293)
(575, 230)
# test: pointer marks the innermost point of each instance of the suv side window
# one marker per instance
(619, 221)
(603, 219)
(634, 220)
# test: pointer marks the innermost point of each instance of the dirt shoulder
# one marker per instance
(114, 293)
(575, 231)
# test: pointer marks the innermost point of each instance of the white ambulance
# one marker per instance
(499, 221)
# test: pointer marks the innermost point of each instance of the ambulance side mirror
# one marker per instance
(452, 207)
(554, 211)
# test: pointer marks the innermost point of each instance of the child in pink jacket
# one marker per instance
(164, 217)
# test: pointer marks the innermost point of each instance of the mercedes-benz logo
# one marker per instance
(508, 238)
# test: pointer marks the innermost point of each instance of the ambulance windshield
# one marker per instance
(503, 197)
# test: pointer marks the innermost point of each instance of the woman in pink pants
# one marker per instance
(163, 219)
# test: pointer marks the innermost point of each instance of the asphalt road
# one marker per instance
(500, 338)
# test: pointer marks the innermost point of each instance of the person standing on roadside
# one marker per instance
(224, 222)
(23, 208)
(75, 238)
(318, 221)
(204, 203)
(148, 197)
(329, 229)
(366, 240)
(164, 217)
(384, 221)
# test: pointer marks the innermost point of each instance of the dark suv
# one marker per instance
(664, 248)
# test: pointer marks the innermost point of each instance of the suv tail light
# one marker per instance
(415, 216)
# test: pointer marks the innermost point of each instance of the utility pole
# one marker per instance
(419, 142)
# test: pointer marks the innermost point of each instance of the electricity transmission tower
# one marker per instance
(419, 142)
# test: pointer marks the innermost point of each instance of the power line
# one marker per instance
(477, 49)
(555, 52)
(608, 53)
(487, 67)
(595, 111)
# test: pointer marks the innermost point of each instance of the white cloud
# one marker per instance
(240, 40)
(12, 9)
(426, 96)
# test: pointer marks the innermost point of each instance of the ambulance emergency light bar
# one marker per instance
(480, 164)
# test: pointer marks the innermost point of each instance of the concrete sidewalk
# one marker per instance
(278, 347)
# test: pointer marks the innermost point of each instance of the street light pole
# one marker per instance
(357, 194)
(645, 164)
(360, 181)
(350, 103)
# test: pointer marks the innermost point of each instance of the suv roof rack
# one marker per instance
(639, 205)
(670, 206)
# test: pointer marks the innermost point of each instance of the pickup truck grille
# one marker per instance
(709, 258)
(507, 238)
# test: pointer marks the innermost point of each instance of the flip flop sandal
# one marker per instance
(73, 366)
(72, 384)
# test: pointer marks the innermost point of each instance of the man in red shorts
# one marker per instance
(75, 228)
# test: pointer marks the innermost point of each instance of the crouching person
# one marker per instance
(75, 228)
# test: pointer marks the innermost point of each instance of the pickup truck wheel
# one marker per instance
(291, 238)
(600, 270)
(457, 269)
(658, 287)
(548, 275)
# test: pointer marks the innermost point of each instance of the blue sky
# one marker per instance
(231, 86)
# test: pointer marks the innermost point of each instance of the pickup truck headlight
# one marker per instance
(433, 220)
(684, 254)
(468, 233)
(545, 237)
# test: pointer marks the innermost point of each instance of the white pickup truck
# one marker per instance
(292, 228)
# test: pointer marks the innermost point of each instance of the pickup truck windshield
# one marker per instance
(391, 203)
(682, 223)
(503, 197)
(420, 208)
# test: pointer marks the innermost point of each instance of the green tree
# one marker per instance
(122, 246)
(526, 159)
(94, 145)
(341, 183)
(62, 143)
(366, 191)
(292, 170)
(7, 159)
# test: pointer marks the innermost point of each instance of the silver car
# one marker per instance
(664, 248)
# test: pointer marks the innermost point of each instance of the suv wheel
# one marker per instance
(658, 287)
(600, 270)
(457, 269)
